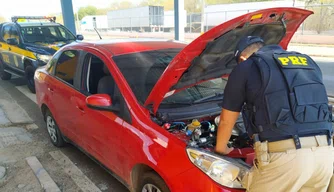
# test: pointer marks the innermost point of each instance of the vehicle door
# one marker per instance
(15, 50)
(101, 131)
(4, 47)
(62, 86)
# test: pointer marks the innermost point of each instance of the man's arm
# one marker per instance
(234, 98)
(227, 121)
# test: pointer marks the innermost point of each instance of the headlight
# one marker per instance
(224, 170)
(44, 58)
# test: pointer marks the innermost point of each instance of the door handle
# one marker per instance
(78, 104)
(50, 89)
(80, 108)
(9, 49)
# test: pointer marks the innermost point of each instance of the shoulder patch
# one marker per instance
(293, 61)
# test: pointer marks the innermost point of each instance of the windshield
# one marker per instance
(206, 91)
(143, 70)
(46, 34)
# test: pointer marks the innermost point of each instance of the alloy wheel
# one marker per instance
(150, 188)
(50, 123)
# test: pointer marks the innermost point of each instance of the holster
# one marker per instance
(261, 153)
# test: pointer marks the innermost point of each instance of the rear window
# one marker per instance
(142, 70)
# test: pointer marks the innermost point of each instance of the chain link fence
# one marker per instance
(317, 27)
(321, 22)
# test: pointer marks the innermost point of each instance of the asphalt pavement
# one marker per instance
(70, 169)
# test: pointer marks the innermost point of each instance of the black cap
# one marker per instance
(244, 43)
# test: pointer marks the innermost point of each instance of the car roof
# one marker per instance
(133, 45)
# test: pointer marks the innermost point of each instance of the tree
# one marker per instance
(167, 4)
(89, 10)
(152, 2)
(192, 6)
(125, 5)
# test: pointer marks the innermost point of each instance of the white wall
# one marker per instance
(135, 17)
(169, 18)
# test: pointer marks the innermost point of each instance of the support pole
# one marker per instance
(202, 16)
(68, 15)
(179, 19)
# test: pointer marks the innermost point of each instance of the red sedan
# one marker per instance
(148, 110)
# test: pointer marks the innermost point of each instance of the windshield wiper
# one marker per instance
(216, 96)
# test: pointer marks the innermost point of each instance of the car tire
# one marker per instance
(3, 74)
(152, 182)
(29, 75)
(54, 132)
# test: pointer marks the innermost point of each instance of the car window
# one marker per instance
(142, 70)
(52, 63)
(97, 79)
(48, 34)
(66, 66)
(65, 34)
(14, 33)
(6, 32)
(198, 92)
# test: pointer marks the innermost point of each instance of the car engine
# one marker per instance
(202, 133)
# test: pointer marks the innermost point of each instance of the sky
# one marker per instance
(45, 7)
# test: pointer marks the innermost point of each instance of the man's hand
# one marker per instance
(226, 124)
(223, 150)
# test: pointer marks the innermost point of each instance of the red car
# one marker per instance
(148, 110)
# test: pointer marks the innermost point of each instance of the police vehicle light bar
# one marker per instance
(51, 19)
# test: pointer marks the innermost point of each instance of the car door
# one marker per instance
(16, 51)
(4, 47)
(62, 86)
(101, 131)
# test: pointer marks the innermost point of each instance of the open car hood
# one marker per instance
(212, 54)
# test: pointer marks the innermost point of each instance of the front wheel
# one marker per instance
(29, 74)
(3, 74)
(152, 182)
(54, 132)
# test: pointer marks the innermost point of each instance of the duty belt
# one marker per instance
(306, 142)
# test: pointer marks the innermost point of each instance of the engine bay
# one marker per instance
(202, 133)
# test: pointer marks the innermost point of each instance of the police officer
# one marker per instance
(286, 112)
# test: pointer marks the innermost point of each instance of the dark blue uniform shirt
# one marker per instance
(243, 83)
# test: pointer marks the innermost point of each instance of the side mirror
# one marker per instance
(100, 102)
(80, 37)
(12, 41)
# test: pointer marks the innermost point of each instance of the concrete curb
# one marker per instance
(43, 177)
(79, 178)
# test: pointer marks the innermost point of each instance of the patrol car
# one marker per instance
(29, 42)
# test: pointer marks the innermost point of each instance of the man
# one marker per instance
(286, 112)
